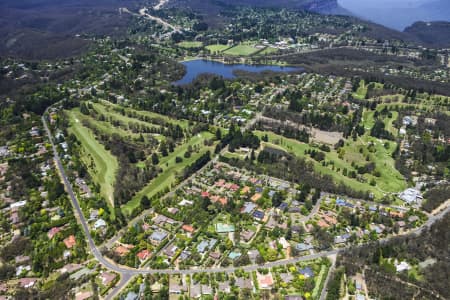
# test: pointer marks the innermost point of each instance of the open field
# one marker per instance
(170, 170)
(102, 165)
(268, 50)
(189, 45)
(242, 49)
(369, 121)
(104, 126)
(110, 107)
(217, 48)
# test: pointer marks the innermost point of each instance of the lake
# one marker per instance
(202, 66)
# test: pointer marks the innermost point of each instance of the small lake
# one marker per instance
(202, 66)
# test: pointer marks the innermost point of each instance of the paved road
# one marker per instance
(324, 292)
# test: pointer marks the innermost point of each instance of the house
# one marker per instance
(256, 197)
(253, 254)
(143, 255)
(171, 250)
(70, 241)
(322, 224)
(21, 269)
(173, 210)
(27, 282)
(99, 224)
(206, 289)
(307, 272)
(123, 250)
(286, 277)
(247, 235)
(283, 206)
(259, 215)
(410, 196)
(185, 202)
(284, 243)
(206, 245)
(83, 295)
(341, 239)
(93, 215)
(245, 190)
(413, 219)
(53, 231)
(157, 237)
(185, 254)
(224, 286)
(271, 193)
(21, 259)
(403, 266)
(70, 268)
(293, 297)
(220, 183)
(188, 228)
(195, 291)
(175, 288)
(161, 220)
(265, 281)
(107, 278)
(248, 208)
(215, 255)
(131, 296)
(244, 283)
(303, 247)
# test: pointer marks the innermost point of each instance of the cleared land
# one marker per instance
(268, 50)
(242, 50)
(189, 45)
(217, 48)
(102, 165)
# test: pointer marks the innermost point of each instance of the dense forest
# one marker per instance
(382, 279)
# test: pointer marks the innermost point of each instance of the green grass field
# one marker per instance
(102, 165)
(390, 179)
(217, 48)
(268, 50)
(190, 45)
(183, 123)
(361, 92)
(104, 126)
(170, 170)
(242, 50)
(369, 121)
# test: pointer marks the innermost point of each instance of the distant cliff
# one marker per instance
(433, 34)
(313, 5)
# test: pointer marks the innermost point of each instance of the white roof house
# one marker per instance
(403, 266)
(410, 195)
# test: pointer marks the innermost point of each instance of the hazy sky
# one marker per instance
(399, 13)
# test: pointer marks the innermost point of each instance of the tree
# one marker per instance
(155, 159)
(145, 202)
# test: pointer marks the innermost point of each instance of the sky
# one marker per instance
(399, 14)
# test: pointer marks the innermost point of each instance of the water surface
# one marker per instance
(201, 66)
